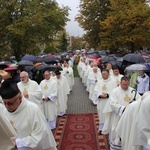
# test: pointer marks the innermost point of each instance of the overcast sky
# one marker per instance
(72, 27)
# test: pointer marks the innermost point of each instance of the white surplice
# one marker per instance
(68, 73)
(88, 81)
(119, 99)
(93, 79)
(62, 95)
(117, 78)
(31, 127)
(86, 75)
(79, 67)
(84, 68)
(7, 132)
(34, 91)
(103, 86)
(126, 126)
(49, 90)
(142, 125)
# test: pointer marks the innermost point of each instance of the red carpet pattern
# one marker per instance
(79, 132)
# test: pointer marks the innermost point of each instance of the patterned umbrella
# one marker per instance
(137, 67)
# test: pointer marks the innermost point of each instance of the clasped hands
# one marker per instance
(46, 99)
(25, 94)
(104, 95)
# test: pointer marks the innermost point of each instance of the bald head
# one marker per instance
(95, 69)
(47, 75)
(94, 64)
(24, 76)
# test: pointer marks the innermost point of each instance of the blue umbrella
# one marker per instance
(25, 63)
(29, 57)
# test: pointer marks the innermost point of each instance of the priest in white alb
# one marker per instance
(103, 90)
(142, 125)
(7, 133)
(84, 68)
(116, 75)
(93, 77)
(85, 76)
(79, 66)
(30, 89)
(27, 120)
(68, 73)
(62, 93)
(126, 126)
(49, 97)
(120, 98)
(94, 64)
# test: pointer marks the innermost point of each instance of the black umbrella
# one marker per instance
(43, 67)
(25, 63)
(70, 51)
(49, 60)
(2, 66)
(148, 60)
(29, 57)
(54, 68)
(107, 59)
(66, 59)
(48, 67)
(5, 64)
(38, 59)
(28, 68)
(134, 58)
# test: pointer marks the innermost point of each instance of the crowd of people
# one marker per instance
(122, 103)
(29, 109)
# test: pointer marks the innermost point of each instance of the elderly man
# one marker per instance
(49, 97)
(103, 91)
(119, 100)
(27, 120)
(30, 89)
(94, 64)
(93, 78)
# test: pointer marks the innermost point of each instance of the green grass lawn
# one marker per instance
(75, 70)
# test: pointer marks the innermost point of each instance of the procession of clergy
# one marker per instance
(29, 111)
(123, 111)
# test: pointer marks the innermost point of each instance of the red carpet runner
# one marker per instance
(79, 132)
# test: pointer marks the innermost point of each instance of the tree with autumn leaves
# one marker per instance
(113, 24)
(27, 25)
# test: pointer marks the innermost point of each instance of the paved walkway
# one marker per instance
(78, 101)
